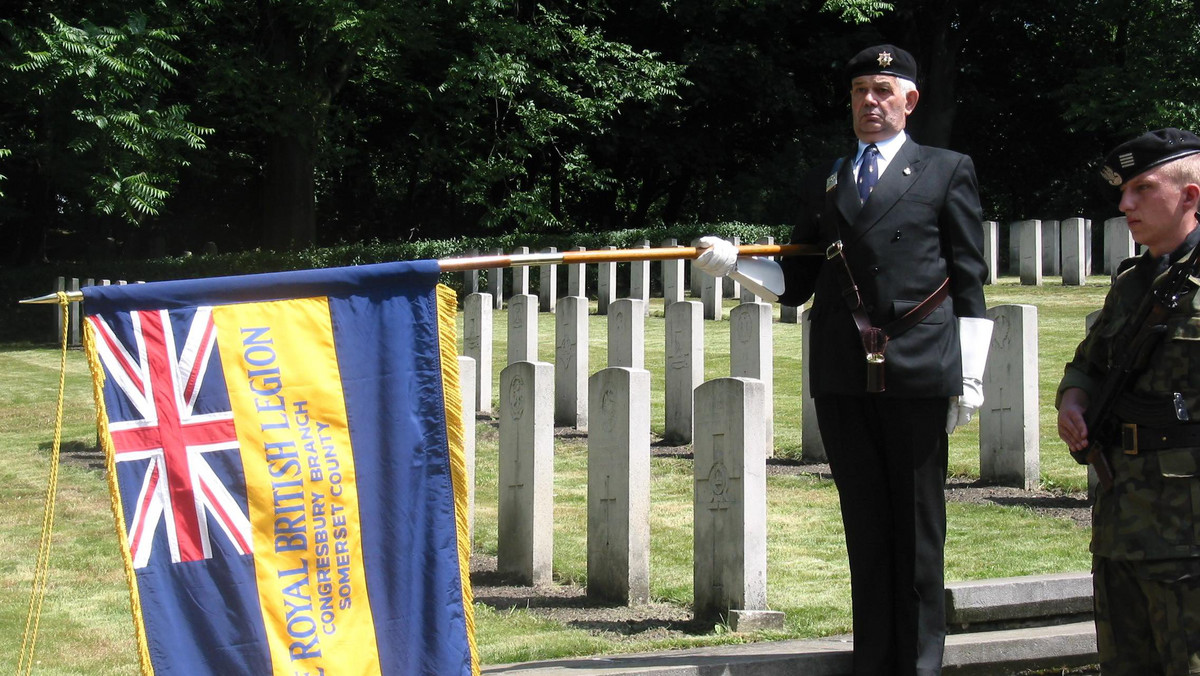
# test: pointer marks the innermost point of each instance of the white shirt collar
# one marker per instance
(887, 148)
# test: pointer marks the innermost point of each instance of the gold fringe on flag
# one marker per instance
(110, 471)
(447, 304)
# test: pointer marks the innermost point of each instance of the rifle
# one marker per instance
(1140, 337)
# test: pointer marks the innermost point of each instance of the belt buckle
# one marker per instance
(1129, 438)
(834, 250)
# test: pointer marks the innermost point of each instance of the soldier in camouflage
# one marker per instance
(1146, 527)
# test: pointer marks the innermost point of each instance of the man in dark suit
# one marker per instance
(899, 344)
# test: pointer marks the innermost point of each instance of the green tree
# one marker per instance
(92, 128)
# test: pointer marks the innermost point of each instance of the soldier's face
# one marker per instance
(1158, 210)
(879, 106)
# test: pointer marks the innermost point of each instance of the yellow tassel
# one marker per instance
(110, 471)
(452, 395)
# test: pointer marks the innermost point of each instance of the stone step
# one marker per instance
(1003, 651)
(1031, 600)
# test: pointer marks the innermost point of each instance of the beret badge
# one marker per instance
(885, 59)
(1110, 176)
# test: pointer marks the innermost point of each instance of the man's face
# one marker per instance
(1155, 207)
(879, 107)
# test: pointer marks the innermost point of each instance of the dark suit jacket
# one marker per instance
(921, 224)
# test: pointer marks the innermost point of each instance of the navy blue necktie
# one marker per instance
(868, 173)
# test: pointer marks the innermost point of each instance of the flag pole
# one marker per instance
(559, 258)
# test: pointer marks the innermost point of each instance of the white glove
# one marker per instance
(719, 258)
(974, 339)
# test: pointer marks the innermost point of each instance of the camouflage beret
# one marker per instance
(882, 60)
(1152, 149)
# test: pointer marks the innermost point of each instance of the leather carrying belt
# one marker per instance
(874, 338)
(1138, 438)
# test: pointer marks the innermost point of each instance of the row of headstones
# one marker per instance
(675, 282)
(1045, 247)
(750, 352)
(1008, 436)
(729, 502)
(1035, 247)
(727, 418)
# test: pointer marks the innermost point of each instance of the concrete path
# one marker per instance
(992, 652)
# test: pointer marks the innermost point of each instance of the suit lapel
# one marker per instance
(846, 196)
(901, 173)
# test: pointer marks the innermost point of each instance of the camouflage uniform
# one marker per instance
(1146, 529)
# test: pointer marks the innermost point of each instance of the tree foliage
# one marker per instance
(92, 123)
(288, 122)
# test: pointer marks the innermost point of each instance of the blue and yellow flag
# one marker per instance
(285, 454)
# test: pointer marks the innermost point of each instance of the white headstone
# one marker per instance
(1009, 445)
(673, 277)
(525, 518)
(710, 296)
(618, 496)
(571, 363)
(466, 386)
(627, 333)
(548, 284)
(751, 355)
(577, 278)
(1074, 255)
(606, 291)
(1051, 254)
(471, 277)
(729, 499)
(684, 368)
(1031, 252)
(639, 280)
(477, 344)
(520, 274)
(496, 282)
(991, 250)
(522, 328)
(812, 447)
(1118, 243)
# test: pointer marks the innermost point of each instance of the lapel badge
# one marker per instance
(885, 59)
(831, 182)
(907, 171)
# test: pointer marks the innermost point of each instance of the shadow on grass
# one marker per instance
(77, 453)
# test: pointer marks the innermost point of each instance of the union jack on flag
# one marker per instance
(170, 420)
(287, 470)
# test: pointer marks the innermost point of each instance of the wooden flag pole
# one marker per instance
(561, 258)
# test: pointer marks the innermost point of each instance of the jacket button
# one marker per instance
(896, 237)
(875, 270)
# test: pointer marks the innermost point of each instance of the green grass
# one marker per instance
(86, 629)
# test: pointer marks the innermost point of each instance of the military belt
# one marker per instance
(1138, 438)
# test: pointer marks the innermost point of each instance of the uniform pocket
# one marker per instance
(901, 308)
(1179, 504)
(1187, 328)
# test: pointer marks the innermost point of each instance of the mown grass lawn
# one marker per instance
(85, 626)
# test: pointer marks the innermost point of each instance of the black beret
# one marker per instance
(882, 60)
(1152, 149)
